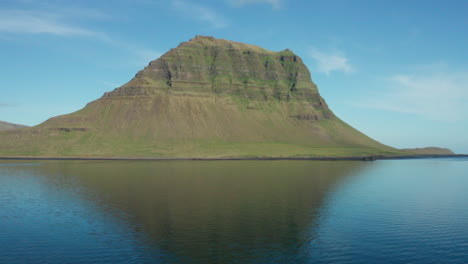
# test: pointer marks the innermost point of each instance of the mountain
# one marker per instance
(429, 151)
(205, 98)
(6, 125)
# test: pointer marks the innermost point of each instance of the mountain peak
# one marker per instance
(212, 41)
(204, 37)
(209, 41)
(205, 64)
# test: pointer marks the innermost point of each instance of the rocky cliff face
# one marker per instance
(209, 65)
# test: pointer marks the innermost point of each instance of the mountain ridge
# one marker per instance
(6, 125)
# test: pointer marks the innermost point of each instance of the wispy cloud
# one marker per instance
(432, 95)
(111, 84)
(145, 55)
(328, 62)
(40, 22)
(275, 4)
(3, 104)
(58, 21)
(200, 12)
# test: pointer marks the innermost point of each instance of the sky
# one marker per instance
(395, 70)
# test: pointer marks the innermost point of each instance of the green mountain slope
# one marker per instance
(206, 98)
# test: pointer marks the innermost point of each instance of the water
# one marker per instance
(400, 211)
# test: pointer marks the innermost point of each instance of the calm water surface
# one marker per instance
(401, 211)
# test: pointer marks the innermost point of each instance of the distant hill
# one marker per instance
(430, 151)
(6, 125)
(207, 97)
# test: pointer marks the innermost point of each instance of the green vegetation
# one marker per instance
(205, 98)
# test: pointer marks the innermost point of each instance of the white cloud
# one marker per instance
(276, 4)
(148, 54)
(200, 12)
(328, 62)
(38, 22)
(432, 95)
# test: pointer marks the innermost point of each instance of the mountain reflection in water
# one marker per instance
(208, 212)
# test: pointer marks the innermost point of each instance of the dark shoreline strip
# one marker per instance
(358, 158)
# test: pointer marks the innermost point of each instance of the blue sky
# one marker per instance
(395, 70)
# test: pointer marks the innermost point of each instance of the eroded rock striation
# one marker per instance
(205, 65)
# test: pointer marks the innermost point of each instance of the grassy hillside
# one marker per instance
(172, 125)
(205, 98)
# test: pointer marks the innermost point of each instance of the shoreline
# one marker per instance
(356, 158)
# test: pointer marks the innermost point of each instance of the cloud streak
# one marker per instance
(201, 13)
(328, 62)
(56, 23)
(275, 4)
(2, 104)
(432, 95)
(144, 55)
(38, 22)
